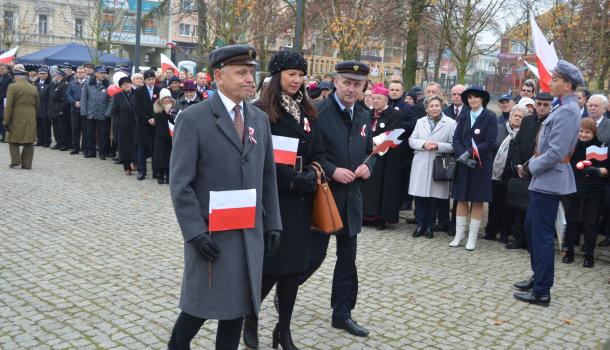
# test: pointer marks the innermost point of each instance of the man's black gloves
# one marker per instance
(206, 247)
(272, 242)
(304, 182)
(593, 171)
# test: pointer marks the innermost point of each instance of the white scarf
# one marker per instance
(502, 155)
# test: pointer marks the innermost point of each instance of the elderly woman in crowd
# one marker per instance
(583, 208)
(473, 141)
(500, 217)
(380, 197)
(433, 135)
(165, 112)
(137, 80)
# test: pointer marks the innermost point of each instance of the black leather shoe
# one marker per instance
(102, 157)
(525, 285)
(251, 332)
(116, 160)
(160, 179)
(14, 166)
(74, 152)
(351, 327)
(514, 245)
(605, 242)
(283, 338)
(568, 258)
(489, 237)
(55, 146)
(141, 177)
(380, 225)
(63, 149)
(112, 155)
(589, 261)
(411, 221)
(531, 298)
(451, 231)
(90, 155)
(419, 231)
(429, 233)
(503, 240)
(441, 228)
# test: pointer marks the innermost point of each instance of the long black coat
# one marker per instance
(522, 147)
(348, 142)
(295, 207)
(163, 141)
(59, 107)
(145, 133)
(474, 184)
(381, 193)
(124, 113)
(43, 98)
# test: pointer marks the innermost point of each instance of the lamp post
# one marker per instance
(136, 63)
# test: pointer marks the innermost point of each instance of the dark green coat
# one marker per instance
(20, 112)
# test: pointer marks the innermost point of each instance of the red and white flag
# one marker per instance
(285, 149)
(171, 128)
(232, 210)
(475, 152)
(166, 63)
(9, 56)
(546, 57)
(389, 141)
(597, 153)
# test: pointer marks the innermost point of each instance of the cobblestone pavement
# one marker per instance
(92, 259)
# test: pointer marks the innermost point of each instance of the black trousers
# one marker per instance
(60, 129)
(345, 278)
(99, 129)
(79, 130)
(187, 326)
(500, 216)
(442, 212)
(114, 144)
(519, 222)
(43, 131)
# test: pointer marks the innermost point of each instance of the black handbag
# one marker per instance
(517, 193)
(443, 168)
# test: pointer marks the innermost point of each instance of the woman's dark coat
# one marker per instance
(380, 193)
(124, 113)
(474, 184)
(163, 141)
(295, 207)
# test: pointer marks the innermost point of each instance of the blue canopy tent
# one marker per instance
(73, 53)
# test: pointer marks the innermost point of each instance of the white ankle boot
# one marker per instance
(460, 230)
(473, 233)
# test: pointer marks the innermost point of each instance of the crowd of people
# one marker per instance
(339, 119)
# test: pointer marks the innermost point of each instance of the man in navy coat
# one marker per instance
(552, 178)
(348, 142)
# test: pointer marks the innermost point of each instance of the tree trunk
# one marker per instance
(410, 64)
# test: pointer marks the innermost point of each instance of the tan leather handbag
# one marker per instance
(325, 215)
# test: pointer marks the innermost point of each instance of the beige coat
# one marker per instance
(20, 112)
(421, 183)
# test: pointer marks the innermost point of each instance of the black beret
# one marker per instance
(285, 59)
(124, 80)
(173, 79)
(149, 74)
(232, 55)
(352, 69)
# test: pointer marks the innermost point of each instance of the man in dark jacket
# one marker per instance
(348, 142)
(78, 122)
(456, 106)
(59, 111)
(96, 106)
(506, 103)
(144, 98)
(190, 96)
(43, 122)
(5, 80)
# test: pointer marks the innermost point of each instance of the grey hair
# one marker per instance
(603, 98)
(518, 108)
(429, 99)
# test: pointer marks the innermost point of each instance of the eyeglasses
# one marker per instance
(526, 90)
(540, 104)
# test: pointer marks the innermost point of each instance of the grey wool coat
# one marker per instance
(209, 156)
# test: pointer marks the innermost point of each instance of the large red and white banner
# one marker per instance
(546, 57)
(232, 210)
(8, 56)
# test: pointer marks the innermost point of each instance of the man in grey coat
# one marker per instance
(223, 144)
(95, 104)
(552, 178)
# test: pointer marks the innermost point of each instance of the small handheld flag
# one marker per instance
(285, 149)
(475, 152)
(597, 153)
(171, 128)
(232, 210)
(389, 140)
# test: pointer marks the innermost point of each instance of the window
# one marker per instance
(43, 24)
(9, 20)
(79, 25)
(185, 30)
(517, 47)
(187, 5)
(129, 24)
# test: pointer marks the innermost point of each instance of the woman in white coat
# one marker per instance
(433, 135)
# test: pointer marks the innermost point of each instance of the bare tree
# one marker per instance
(15, 29)
(462, 23)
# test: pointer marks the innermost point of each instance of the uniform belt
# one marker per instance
(563, 161)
